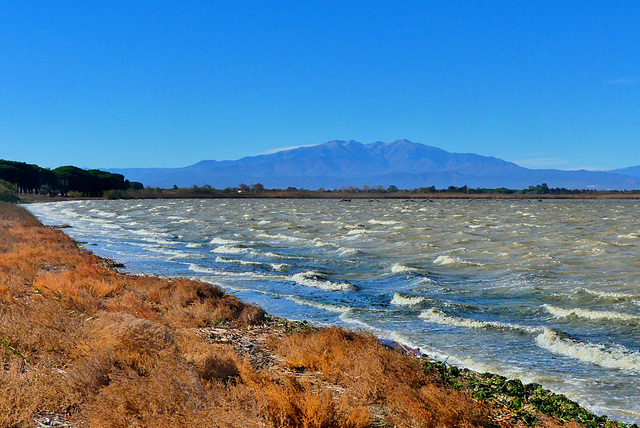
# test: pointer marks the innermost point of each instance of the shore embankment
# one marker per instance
(82, 344)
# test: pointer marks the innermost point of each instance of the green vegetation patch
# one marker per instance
(525, 401)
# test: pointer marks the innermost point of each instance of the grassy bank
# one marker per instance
(84, 345)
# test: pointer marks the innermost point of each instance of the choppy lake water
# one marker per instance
(547, 291)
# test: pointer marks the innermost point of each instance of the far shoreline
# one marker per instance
(341, 196)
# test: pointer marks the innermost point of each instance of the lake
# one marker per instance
(546, 291)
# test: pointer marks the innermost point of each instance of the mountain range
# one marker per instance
(402, 163)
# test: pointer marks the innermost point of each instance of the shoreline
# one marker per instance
(60, 277)
(342, 196)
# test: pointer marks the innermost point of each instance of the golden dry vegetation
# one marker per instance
(84, 345)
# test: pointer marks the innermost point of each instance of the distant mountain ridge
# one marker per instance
(349, 163)
(633, 171)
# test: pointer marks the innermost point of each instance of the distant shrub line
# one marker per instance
(259, 190)
(21, 178)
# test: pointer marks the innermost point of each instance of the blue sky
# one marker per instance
(167, 84)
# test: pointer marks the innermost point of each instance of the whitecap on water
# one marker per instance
(454, 261)
(400, 268)
(590, 314)
(345, 252)
(611, 357)
(374, 221)
(222, 241)
(435, 315)
(318, 280)
(608, 294)
(220, 259)
(230, 249)
(407, 301)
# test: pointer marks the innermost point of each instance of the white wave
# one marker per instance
(223, 273)
(271, 255)
(230, 249)
(320, 243)
(318, 280)
(403, 300)
(355, 233)
(454, 261)
(609, 294)
(611, 357)
(435, 315)
(400, 268)
(374, 221)
(343, 251)
(324, 306)
(222, 241)
(103, 213)
(220, 259)
(279, 237)
(194, 245)
(590, 314)
(201, 269)
(280, 267)
(632, 235)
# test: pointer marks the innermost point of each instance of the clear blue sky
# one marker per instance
(169, 83)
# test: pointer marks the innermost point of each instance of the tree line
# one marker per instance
(32, 179)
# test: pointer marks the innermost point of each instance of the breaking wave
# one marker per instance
(611, 357)
(231, 249)
(316, 279)
(222, 241)
(454, 261)
(400, 268)
(374, 221)
(404, 300)
(435, 315)
(590, 314)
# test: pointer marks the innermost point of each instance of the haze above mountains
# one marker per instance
(402, 163)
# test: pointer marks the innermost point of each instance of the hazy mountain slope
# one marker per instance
(633, 171)
(350, 163)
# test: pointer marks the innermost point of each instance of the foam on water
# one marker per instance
(221, 273)
(435, 315)
(455, 261)
(404, 300)
(201, 269)
(231, 249)
(611, 357)
(324, 306)
(222, 241)
(320, 243)
(400, 268)
(608, 294)
(633, 235)
(590, 314)
(220, 259)
(318, 280)
(346, 252)
(374, 221)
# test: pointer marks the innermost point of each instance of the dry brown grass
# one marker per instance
(107, 349)
(370, 374)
